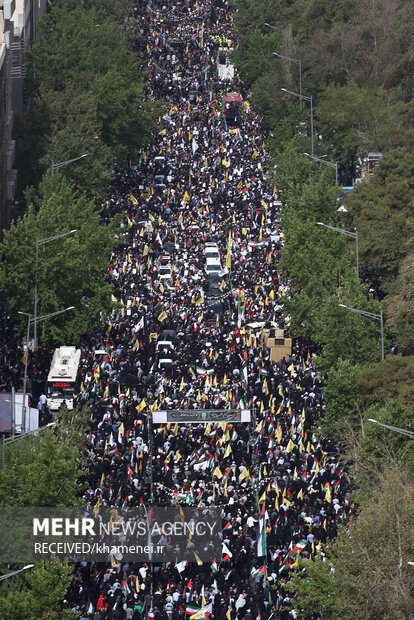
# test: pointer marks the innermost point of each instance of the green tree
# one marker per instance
(43, 470)
(400, 306)
(314, 588)
(382, 208)
(372, 578)
(353, 118)
(37, 593)
(69, 270)
(75, 130)
(343, 403)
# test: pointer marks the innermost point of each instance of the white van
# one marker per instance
(213, 265)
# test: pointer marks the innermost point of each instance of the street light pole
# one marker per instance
(402, 431)
(327, 163)
(371, 315)
(298, 61)
(348, 233)
(273, 27)
(15, 572)
(30, 320)
(40, 242)
(307, 98)
(66, 163)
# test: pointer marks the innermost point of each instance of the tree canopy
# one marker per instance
(70, 270)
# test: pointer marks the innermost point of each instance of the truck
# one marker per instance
(62, 383)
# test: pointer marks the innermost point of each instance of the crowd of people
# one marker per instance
(204, 178)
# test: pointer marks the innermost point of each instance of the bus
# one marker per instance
(62, 378)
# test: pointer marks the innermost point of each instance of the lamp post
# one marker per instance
(32, 320)
(61, 164)
(40, 242)
(371, 315)
(298, 61)
(16, 572)
(348, 233)
(327, 163)
(273, 27)
(402, 431)
(307, 98)
(11, 440)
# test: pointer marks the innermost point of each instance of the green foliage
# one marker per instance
(342, 402)
(87, 86)
(357, 120)
(371, 566)
(372, 578)
(378, 447)
(36, 594)
(391, 379)
(382, 208)
(69, 270)
(400, 306)
(43, 470)
(75, 129)
(315, 587)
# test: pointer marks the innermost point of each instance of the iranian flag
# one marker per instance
(202, 372)
(301, 545)
(191, 609)
(204, 612)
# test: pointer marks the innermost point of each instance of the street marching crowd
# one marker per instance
(283, 491)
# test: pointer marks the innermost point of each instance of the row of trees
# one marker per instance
(356, 61)
(42, 471)
(357, 65)
(86, 89)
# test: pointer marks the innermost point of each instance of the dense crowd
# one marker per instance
(204, 178)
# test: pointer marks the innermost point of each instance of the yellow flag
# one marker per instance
(290, 446)
(141, 406)
(197, 559)
(96, 507)
(228, 255)
(262, 499)
(228, 451)
(217, 473)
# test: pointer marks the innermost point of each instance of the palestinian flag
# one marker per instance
(214, 567)
(234, 435)
(255, 572)
(227, 527)
(263, 372)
